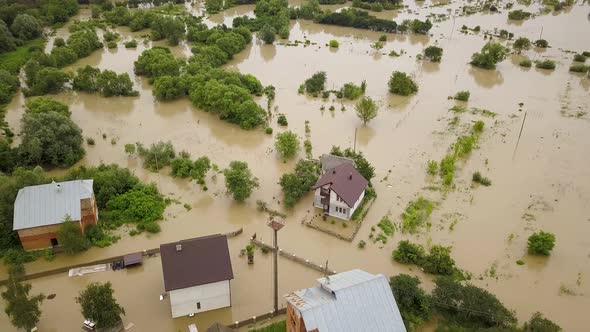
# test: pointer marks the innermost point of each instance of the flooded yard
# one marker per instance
(541, 178)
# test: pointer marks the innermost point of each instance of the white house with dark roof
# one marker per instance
(197, 274)
(352, 301)
(340, 190)
(40, 210)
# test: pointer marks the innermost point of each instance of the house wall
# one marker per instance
(211, 296)
(294, 320)
(38, 237)
(334, 203)
(89, 212)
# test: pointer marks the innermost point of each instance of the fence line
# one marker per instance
(256, 319)
(293, 257)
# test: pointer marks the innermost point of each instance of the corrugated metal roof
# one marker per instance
(351, 301)
(48, 204)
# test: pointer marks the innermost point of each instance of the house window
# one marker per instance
(198, 305)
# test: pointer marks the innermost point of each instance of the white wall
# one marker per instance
(211, 296)
(335, 203)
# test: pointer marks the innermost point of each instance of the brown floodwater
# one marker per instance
(544, 183)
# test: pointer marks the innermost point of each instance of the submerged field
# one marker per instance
(540, 177)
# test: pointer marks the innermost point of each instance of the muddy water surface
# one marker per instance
(544, 183)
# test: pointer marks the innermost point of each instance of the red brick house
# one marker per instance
(40, 210)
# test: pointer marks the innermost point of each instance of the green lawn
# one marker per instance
(274, 327)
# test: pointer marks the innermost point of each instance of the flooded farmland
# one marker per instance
(541, 178)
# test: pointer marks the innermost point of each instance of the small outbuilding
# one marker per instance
(132, 259)
(197, 274)
(40, 210)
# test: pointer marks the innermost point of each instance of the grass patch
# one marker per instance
(386, 226)
(545, 64)
(416, 214)
(462, 95)
(14, 60)
(526, 63)
(477, 177)
(362, 210)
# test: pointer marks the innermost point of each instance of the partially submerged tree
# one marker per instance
(239, 180)
(521, 44)
(402, 84)
(490, 55)
(366, 109)
(541, 243)
(70, 237)
(296, 185)
(413, 302)
(287, 144)
(99, 305)
(22, 308)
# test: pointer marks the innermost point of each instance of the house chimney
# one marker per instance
(350, 176)
(179, 247)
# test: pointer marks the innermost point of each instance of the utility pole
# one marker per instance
(354, 146)
(276, 225)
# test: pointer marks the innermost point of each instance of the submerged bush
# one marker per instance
(462, 95)
(477, 177)
(439, 261)
(546, 64)
(334, 43)
(491, 53)
(316, 83)
(519, 15)
(434, 53)
(402, 84)
(295, 185)
(579, 68)
(525, 63)
(157, 155)
(432, 167)
(541, 243)
(541, 43)
(416, 214)
(409, 253)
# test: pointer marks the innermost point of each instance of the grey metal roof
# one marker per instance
(350, 301)
(329, 161)
(48, 204)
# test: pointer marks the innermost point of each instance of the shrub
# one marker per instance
(579, 58)
(268, 130)
(526, 63)
(360, 19)
(546, 64)
(296, 185)
(267, 34)
(70, 237)
(282, 120)
(439, 261)
(351, 91)
(477, 177)
(522, 43)
(287, 144)
(409, 253)
(462, 95)
(169, 87)
(157, 156)
(434, 53)
(383, 38)
(129, 149)
(47, 80)
(432, 167)
(316, 83)
(90, 141)
(142, 205)
(491, 53)
(416, 214)
(519, 15)
(131, 44)
(402, 84)
(541, 43)
(362, 244)
(239, 180)
(579, 68)
(541, 243)
(334, 43)
(45, 105)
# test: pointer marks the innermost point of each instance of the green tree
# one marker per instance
(169, 87)
(84, 42)
(99, 305)
(522, 43)
(26, 27)
(316, 83)
(541, 243)
(50, 139)
(412, 301)
(213, 6)
(434, 53)
(239, 180)
(60, 10)
(439, 261)
(86, 79)
(538, 323)
(46, 105)
(63, 56)
(296, 185)
(48, 80)
(267, 34)
(362, 164)
(409, 253)
(157, 61)
(110, 84)
(143, 204)
(287, 144)
(402, 84)
(9, 83)
(457, 302)
(7, 42)
(491, 53)
(366, 109)
(22, 308)
(70, 237)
